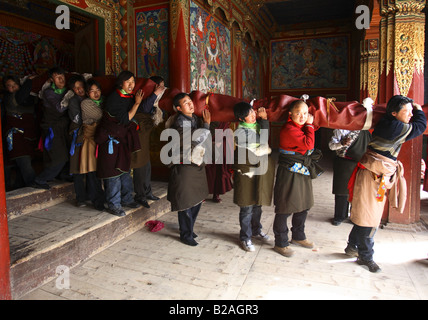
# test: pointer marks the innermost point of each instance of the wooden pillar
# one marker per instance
(179, 49)
(402, 30)
(5, 293)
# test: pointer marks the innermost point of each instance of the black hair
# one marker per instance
(396, 103)
(241, 110)
(122, 77)
(178, 97)
(294, 104)
(92, 82)
(157, 79)
(13, 78)
(57, 70)
(73, 79)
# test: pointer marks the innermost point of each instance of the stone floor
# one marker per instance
(157, 266)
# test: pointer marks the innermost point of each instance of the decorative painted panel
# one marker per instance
(310, 63)
(210, 53)
(23, 53)
(151, 30)
(251, 79)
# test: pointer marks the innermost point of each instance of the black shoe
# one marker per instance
(143, 203)
(194, 235)
(117, 212)
(80, 204)
(40, 185)
(99, 207)
(351, 251)
(152, 197)
(132, 205)
(336, 223)
(189, 242)
(373, 267)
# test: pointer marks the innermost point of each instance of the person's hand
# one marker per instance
(261, 113)
(206, 116)
(417, 106)
(310, 119)
(139, 96)
(159, 89)
(346, 141)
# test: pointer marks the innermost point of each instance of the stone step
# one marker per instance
(62, 236)
(26, 200)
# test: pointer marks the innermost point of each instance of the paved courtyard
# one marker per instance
(157, 266)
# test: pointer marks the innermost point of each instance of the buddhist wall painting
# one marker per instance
(151, 26)
(251, 78)
(210, 53)
(310, 63)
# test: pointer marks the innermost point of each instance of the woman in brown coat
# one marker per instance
(91, 115)
(377, 171)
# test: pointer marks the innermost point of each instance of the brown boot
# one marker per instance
(304, 243)
(286, 251)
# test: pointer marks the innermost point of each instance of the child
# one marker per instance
(55, 124)
(377, 171)
(117, 138)
(91, 114)
(293, 187)
(252, 189)
(188, 186)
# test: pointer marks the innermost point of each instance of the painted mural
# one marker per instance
(210, 53)
(310, 63)
(251, 79)
(23, 53)
(152, 42)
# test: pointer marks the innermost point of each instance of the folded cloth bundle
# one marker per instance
(154, 225)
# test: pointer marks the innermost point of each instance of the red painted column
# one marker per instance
(5, 293)
(179, 49)
(402, 45)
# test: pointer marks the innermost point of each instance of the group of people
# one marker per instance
(103, 139)
(85, 137)
(366, 164)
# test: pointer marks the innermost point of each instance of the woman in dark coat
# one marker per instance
(20, 130)
(297, 166)
(55, 125)
(187, 187)
(117, 138)
(254, 172)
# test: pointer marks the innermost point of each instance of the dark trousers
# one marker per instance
(118, 190)
(341, 207)
(249, 220)
(361, 238)
(88, 187)
(186, 221)
(49, 173)
(280, 228)
(25, 173)
(142, 182)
